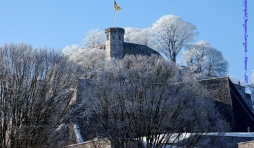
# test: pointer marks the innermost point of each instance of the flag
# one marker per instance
(116, 7)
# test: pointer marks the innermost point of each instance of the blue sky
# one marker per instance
(60, 23)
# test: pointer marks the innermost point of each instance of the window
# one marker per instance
(113, 37)
(107, 37)
(119, 37)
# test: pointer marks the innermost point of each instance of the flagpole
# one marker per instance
(114, 15)
(114, 18)
(116, 7)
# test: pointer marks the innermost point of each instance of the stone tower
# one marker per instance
(114, 42)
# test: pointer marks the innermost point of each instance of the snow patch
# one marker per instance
(77, 132)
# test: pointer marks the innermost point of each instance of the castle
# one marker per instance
(230, 99)
(116, 48)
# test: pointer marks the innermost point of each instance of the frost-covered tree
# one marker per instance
(252, 77)
(139, 36)
(36, 87)
(90, 60)
(130, 34)
(252, 86)
(93, 38)
(70, 49)
(204, 61)
(171, 34)
(144, 99)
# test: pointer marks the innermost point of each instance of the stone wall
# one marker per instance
(137, 49)
(248, 144)
(94, 143)
(221, 141)
(220, 93)
(230, 103)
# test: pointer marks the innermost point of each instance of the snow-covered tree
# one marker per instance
(139, 36)
(171, 34)
(204, 61)
(252, 78)
(252, 86)
(130, 34)
(94, 38)
(141, 98)
(70, 49)
(90, 60)
(36, 87)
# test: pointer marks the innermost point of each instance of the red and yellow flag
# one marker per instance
(116, 7)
